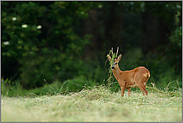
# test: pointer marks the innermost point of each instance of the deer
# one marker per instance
(136, 77)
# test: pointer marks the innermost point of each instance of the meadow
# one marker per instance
(97, 104)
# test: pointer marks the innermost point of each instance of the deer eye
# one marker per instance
(115, 63)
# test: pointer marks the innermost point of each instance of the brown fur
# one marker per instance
(137, 77)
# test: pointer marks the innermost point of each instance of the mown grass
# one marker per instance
(95, 105)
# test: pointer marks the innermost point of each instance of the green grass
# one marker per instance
(97, 104)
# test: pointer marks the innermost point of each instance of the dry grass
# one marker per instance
(94, 105)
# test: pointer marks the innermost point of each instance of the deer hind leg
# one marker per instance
(143, 88)
(129, 90)
(145, 92)
(145, 81)
(142, 84)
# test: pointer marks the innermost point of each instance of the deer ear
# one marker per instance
(119, 57)
(109, 57)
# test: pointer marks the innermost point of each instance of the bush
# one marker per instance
(41, 38)
(7, 89)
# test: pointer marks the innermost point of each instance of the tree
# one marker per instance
(42, 39)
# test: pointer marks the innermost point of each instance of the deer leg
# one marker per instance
(145, 82)
(146, 92)
(122, 90)
(142, 88)
(129, 90)
(142, 85)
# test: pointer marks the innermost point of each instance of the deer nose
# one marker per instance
(112, 67)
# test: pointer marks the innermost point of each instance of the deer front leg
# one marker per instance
(122, 90)
(129, 90)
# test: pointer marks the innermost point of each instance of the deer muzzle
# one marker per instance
(113, 67)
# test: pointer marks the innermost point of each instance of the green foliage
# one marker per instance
(43, 40)
(76, 85)
(175, 48)
(131, 59)
(46, 40)
(72, 85)
(163, 85)
(114, 56)
(8, 90)
(175, 38)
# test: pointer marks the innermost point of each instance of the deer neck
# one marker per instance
(117, 72)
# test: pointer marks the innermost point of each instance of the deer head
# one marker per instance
(114, 61)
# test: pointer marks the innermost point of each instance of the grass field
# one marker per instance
(98, 104)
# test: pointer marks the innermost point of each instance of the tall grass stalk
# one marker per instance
(114, 56)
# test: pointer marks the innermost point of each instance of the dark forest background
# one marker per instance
(67, 42)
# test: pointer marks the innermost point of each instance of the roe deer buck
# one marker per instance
(137, 77)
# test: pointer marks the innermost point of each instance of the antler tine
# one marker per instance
(112, 50)
(117, 51)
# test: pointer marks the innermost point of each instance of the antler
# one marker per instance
(112, 51)
(117, 51)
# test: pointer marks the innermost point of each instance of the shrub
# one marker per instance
(41, 38)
